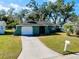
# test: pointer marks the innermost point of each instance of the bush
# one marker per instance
(68, 28)
(77, 29)
(12, 24)
(77, 32)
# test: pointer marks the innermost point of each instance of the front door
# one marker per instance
(42, 30)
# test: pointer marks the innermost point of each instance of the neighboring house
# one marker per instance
(34, 28)
(2, 27)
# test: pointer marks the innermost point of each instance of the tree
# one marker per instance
(10, 14)
(60, 10)
(73, 18)
(32, 4)
(2, 14)
(11, 20)
(66, 11)
(34, 14)
(10, 11)
(55, 11)
(43, 12)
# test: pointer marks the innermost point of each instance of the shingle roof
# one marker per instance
(40, 23)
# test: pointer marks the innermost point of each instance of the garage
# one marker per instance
(27, 31)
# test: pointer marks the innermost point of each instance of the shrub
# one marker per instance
(68, 28)
(77, 29)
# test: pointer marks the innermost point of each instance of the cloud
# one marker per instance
(3, 7)
(52, 1)
(14, 5)
(17, 7)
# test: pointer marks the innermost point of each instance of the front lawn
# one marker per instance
(56, 43)
(10, 46)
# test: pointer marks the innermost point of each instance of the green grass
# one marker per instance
(10, 46)
(56, 43)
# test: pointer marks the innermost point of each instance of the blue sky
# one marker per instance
(5, 4)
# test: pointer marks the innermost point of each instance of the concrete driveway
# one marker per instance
(33, 48)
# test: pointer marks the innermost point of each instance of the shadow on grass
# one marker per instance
(70, 52)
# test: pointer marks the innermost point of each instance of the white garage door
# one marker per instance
(27, 31)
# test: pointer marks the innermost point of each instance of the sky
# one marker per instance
(21, 4)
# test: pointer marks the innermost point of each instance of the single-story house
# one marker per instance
(34, 28)
(2, 27)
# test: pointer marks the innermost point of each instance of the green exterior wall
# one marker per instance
(50, 29)
(35, 30)
(47, 30)
(18, 30)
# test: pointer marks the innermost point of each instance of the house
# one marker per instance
(2, 27)
(34, 28)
